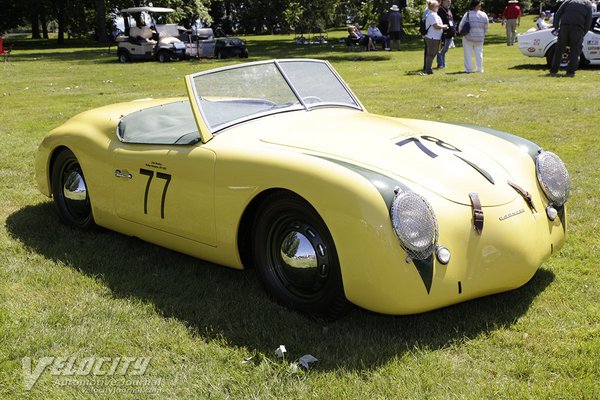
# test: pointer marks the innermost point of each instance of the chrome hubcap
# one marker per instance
(300, 258)
(74, 187)
(75, 193)
(298, 252)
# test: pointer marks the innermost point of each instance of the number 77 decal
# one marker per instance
(159, 175)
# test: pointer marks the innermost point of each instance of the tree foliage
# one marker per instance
(79, 17)
(82, 17)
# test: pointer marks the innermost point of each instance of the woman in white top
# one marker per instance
(435, 28)
(473, 41)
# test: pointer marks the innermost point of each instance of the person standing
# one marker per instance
(395, 26)
(448, 34)
(435, 28)
(473, 41)
(511, 19)
(573, 19)
(426, 12)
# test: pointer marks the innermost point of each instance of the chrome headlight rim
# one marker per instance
(412, 210)
(556, 191)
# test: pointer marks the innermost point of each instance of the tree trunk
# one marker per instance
(35, 26)
(44, 23)
(61, 26)
(101, 21)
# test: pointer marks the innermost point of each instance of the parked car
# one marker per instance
(228, 47)
(542, 43)
(277, 165)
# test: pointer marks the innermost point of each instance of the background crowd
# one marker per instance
(570, 20)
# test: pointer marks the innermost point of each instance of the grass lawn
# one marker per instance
(66, 293)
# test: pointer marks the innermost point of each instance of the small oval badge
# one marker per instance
(531, 49)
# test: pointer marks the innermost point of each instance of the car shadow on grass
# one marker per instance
(533, 67)
(218, 303)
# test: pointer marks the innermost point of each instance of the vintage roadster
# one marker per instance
(262, 167)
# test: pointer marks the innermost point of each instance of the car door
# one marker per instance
(591, 45)
(166, 187)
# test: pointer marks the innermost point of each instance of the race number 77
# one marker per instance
(159, 175)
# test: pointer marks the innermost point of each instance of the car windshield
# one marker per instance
(235, 94)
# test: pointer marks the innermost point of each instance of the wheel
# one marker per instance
(219, 54)
(70, 193)
(244, 53)
(296, 258)
(564, 61)
(164, 56)
(123, 56)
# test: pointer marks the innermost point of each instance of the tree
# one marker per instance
(187, 11)
(100, 8)
(12, 15)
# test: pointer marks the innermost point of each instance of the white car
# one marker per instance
(542, 43)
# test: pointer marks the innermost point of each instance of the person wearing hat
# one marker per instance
(540, 23)
(511, 19)
(395, 26)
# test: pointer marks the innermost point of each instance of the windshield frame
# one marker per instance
(301, 106)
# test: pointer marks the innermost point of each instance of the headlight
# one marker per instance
(415, 225)
(553, 177)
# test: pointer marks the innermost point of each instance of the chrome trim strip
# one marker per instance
(476, 167)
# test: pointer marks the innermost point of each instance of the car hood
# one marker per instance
(537, 33)
(446, 159)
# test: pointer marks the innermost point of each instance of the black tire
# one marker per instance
(296, 259)
(123, 56)
(564, 62)
(164, 56)
(70, 193)
(244, 53)
(219, 54)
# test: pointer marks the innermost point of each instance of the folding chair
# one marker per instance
(4, 52)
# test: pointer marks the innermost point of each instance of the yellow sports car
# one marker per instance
(276, 165)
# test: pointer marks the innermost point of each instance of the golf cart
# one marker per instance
(145, 39)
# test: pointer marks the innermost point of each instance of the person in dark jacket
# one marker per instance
(573, 19)
(395, 26)
(448, 19)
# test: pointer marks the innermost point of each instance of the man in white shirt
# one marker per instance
(541, 23)
(377, 36)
